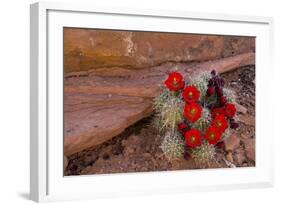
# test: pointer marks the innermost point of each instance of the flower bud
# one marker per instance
(223, 100)
(211, 90)
(234, 125)
(219, 91)
(211, 82)
(221, 145)
(182, 127)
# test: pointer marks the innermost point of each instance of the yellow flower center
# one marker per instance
(193, 111)
(219, 123)
(192, 139)
(190, 94)
(175, 81)
(212, 136)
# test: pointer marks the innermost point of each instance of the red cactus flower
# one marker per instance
(192, 112)
(193, 138)
(220, 123)
(213, 135)
(230, 110)
(174, 81)
(191, 94)
(217, 111)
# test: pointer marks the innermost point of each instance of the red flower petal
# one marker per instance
(193, 138)
(220, 123)
(191, 94)
(192, 112)
(230, 110)
(213, 135)
(174, 81)
(217, 111)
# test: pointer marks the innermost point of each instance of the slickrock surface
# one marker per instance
(86, 49)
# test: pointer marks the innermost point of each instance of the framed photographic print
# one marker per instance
(146, 100)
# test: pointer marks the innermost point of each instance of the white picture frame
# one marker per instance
(47, 182)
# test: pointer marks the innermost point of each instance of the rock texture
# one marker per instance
(240, 108)
(231, 143)
(250, 149)
(93, 119)
(86, 49)
(248, 120)
(129, 152)
(99, 105)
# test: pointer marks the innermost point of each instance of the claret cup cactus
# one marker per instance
(194, 117)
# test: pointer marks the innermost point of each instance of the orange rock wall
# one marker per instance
(86, 49)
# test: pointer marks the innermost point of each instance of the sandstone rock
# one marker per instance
(247, 119)
(99, 106)
(234, 45)
(86, 49)
(90, 159)
(131, 145)
(245, 136)
(87, 125)
(229, 157)
(104, 153)
(240, 108)
(232, 143)
(230, 63)
(120, 163)
(144, 83)
(250, 149)
(239, 156)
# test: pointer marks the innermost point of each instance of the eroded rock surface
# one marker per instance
(232, 143)
(86, 49)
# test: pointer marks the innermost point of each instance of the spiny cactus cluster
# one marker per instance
(204, 155)
(193, 117)
(168, 108)
(204, 121)
(201, 82)
(173, 145)
(230, 95)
